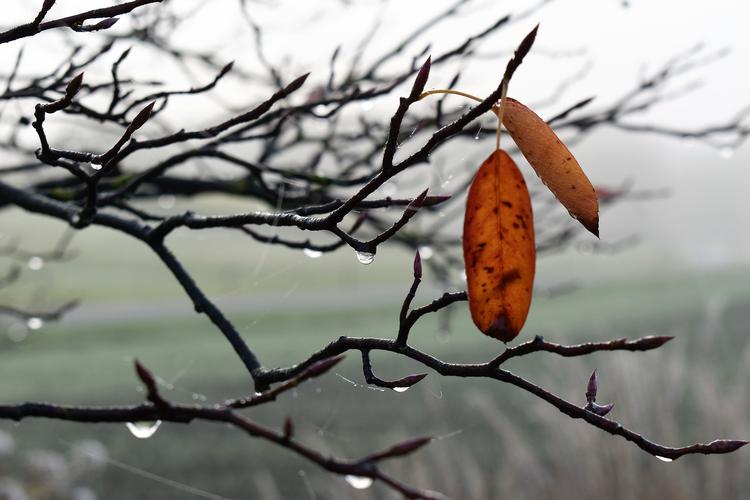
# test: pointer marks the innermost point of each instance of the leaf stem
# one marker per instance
(497, 109)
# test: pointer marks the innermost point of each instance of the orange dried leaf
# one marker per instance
(553, 163)
(499, 250)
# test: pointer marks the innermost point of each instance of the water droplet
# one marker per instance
(199, 397)
(34, 323)
(167, 201)
(664, 459)
(35, 263)
(95, 166)
(426, 252)
(322, 109)
(358, 482)
(726, 152)
(143, 430)
(313, 254)
(365, 257)
(75, 219)
(400, 389)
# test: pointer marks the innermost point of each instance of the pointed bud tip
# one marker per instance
(421, 80)
(400, 449)
(227, 68)
(415, 204)
(142, 117)
(74, 85)
(438, 198)
(592, 387)
(417, 265)
(144, 373)
(409, 380)
(419, 200)
(320, 367)
(603, 410)
(655, 341)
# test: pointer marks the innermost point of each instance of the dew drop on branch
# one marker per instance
(35, 263)
(365, 257)
(400, 389)
(358, 482)
(323, 109)
(34, 323)
(95, 166)
(426, 252)
(143, 430)
(664, 459)
(313, 254)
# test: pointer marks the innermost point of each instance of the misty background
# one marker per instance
(685, 275)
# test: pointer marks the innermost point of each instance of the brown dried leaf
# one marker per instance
(499, 250)
(553, 162)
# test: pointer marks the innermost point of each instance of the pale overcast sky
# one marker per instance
(702, 224)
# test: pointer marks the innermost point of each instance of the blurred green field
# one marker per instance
(496, 438)
(495, 442)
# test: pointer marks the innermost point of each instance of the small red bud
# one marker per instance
(74, 86)
(421, 80)
(592, 388)
(407, 381)
(400, 449)
(144, 374)
(417, 265)
(415, 204)
(320, 367)
(102, 25)
(437, 199)
(600, 410)
(142, 117)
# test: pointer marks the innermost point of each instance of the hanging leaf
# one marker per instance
(499, 250)
(553, 163)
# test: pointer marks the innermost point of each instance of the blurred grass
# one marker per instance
(498, 442)
(501, 430)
